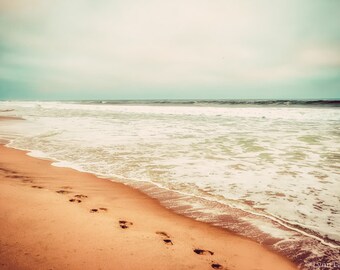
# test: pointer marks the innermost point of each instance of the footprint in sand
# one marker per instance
(39, 187)
(203, 252)
(8, 171)
(14, 176)
(27, 181)
(163, 234)
(125, 224)
(80, 196)
(75, 200)
(62, 191)
(97, 210)
(167, 239)
(66, 187)
(216, 266)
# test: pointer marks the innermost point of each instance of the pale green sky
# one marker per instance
(124, 49)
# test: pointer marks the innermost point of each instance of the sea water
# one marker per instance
(268, 170)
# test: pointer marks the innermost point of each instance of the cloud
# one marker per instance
(320, 57)
(106, 45)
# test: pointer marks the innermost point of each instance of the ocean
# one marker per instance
(265, 169)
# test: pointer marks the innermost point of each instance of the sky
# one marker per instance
(178, 49)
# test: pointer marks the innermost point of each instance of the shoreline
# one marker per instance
(44, 186)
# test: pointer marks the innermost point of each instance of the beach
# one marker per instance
(260, 173)
(170, 135)
(59, 218)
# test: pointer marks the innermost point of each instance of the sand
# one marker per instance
(59, 218)
(3, 118)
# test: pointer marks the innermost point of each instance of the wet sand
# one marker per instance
(59, 218)
(3, 118)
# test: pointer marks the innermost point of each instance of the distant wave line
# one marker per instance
(198, 102)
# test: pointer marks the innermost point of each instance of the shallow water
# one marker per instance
(267, 172)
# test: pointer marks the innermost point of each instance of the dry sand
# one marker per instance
(59, 218)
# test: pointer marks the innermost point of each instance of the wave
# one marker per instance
(278, 102)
